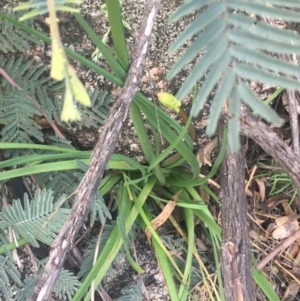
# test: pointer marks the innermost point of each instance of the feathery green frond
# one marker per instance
(13, 39)
(8, 272)
(134, 293)
(93, 116)
(60, 182)
(213, 53)
(236, 46)
(66, 285)
(25, 292)
(89, 257)
(38, 219)
(96, 114)
(99, 208)
(40, 7)
(19, 107)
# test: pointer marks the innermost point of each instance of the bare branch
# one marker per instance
(261, 133)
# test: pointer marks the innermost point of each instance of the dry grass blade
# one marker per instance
(163, 216)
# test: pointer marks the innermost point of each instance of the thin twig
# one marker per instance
(251, 177)
(292, 104)
(280, 248)
(100, 156)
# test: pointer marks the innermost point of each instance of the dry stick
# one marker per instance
(100, 156)
(258, 131)
(286, 243)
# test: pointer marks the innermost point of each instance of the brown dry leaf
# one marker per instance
(291, 291)
(200, 244)
(203, 155)
(274, 200)
(204, 195)
(285, 230)
(279, 221)
(249, 193)
(262, 188)
(270, 228)
(291, 252)
(287, 208)
(296, 271)
(259, 221)
(257, 237)
(296, 262)
(163, 216)
(153, 73)
(279, 132)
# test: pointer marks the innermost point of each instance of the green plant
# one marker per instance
(237, 48)
(159, 179)
(135, 178)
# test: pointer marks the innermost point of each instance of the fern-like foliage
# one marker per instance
(59, 182)
(64, 287)
(13, 39)
(134, 293)
(89, 257)
(236, 49)
(41, 218)
(93, 116)
(27, 288)
(98, 207)
(20, 106)
(8, 273)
